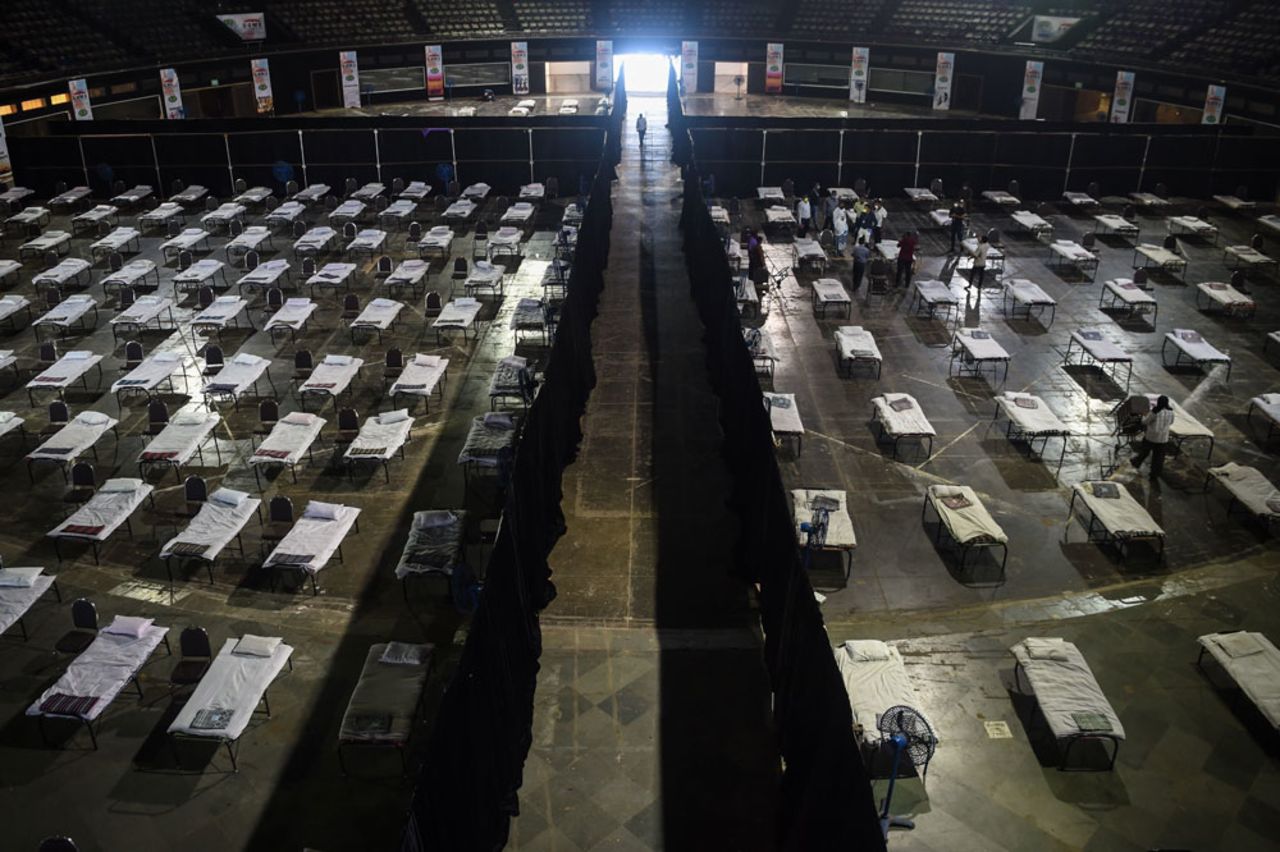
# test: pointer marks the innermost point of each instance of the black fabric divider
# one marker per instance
(467, 791)
(827, 801)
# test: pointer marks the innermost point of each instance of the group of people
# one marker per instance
(860, 222)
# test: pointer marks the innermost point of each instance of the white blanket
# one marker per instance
(103, 669)
(999, 196)
(459, 313)
(1031, 221)
(784, 415)
(102, 515)
(114, 241)
(1026, 292)
(1194, 346)
(421, 375)
(250, 238)
(919, 193)
(1229, 298)
(66, 370)
(521, 211)
(875, 679)
(224, 214)
(314, 192)
(378, 441)
(369, 239)
(180, 438)
(1080, 199)
(779, 216)
(312, 542)
(288, 442)
(234, 682)
(293, 314)
(379, 314)
(48, 241)
(1160, 255)
(1251, 487)
(76, 437)
(150, 373)
(286, 213)
(908, 421)
(16, 600)
(185, 241)
(967, 523)
(1248, 255)
(1033, 415)
(238, 375)
(331, 378)
(1073, 252)
(840, 534)
(70, 310)
(128, 275)
(369, 191)
(934, 292)
(1098, 346)
(1191, 225)
(409, 272)
(222, 311)
(829, 291)
(1064, 685)
(809, 250)
(1121, 516)
(856, 342)
(979, 345)
(214, 527)
(460, 209)
(315, 240)
(267, 274)
(529, 314)
(1128, 292)
(1256, 672)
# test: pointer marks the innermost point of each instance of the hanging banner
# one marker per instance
(435, 72)
(81, 109)
(349, 70)
(171, 93)
(942, 75)
(858, 75)
(604, 65)
(1046, 29)
(520, 67)
(6, 165)
(262, 85)
(1122, 100)
(689, 66)
(773, 68)
(250, 26)
(1031, 89)
(1213, 102)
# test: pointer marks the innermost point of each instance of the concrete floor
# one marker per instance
(652, 725)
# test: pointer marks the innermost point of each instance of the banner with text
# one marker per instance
(1031, 80)
(1213, 103)
(1122, 100)
(6, 165)
(942, 75)
(689, 66)
(349, 69)
(520, 67)
(773, 68)
(262, 86)
(81, 109)
(1046, 29)
(858, 75)
(171, 92)
(604, 65)
(435, 72)
(250, 26)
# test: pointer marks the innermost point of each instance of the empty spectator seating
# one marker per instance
(1147, 27)
(1247, 43)
(835, 19)
(955, 21)
(61, 41)
(554, 16)
(462, 18)
(647, 16)
(738, 17)
(345, 21)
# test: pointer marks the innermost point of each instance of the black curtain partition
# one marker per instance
(467, 791)
(827, 801)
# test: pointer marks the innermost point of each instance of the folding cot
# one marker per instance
(421, 376)
(521, 212)
(290, 439)
(1232, 202)
(484, 276)
(760, 347)
(134, 195)
(369, 191)
(1189, 345)
(972, 349)
(1228, 299)
(416, 190)
(995, 257)
(189, 239)
(72, 367)
(71, 197)
(857, 345)
(504, 241)
(334, 275)
(829, 293)
(1185, 427)
(380, 439)
(292, 316)
(162, 215)
(180, 439)
(1032, 223)
(1159, 257)
(348, 211)
(109, 508)
(770, 194)
(286, 214)
(531, 315)
(387, 699)
(512, 379)
(223, 703)
(221, 520)
(378, 316)
(20, 588)
(460, 209)
(409, 273)
(11, 422)
(90, 219)
(1253, 663)
(1067, 252)
(921, 195)
(572, 216)
(253, 195)
(224, 215)
(434, 546)
(330, 378)
(1102, 352)
(1241, 257)
(368, 241)
(490, 442)
(58, 242)
(95, 677)
(1031, 420)
(842, 193)
(1021, 293)
(1112, 223)
(1115, 517)
(239, 375)
(461, 314)
(438, 241)
(132, 274)
(10, 306)
(941, 218)
(398, 212)
(1248, 487)
(967, 521)
(477, 191)
(1002, 198)
(147, 376)
(9, 269)
(315, 241)
(73, 272)
(314, 540)
(888, 249)
(784, 417)
(1269, 405)
(534, 191)
(1070, 700)
(1270, 222)
(933, 294)
(191, 194)
(900, 417)
(222, 312)
(313, 193)
(779, 217)
(265, 276)
(810, 253)
(37, 216)
(1080, 200)
(250, 239)
(876, 681)
(1148, 199)
(1127, 295)
(79, 436)
(826, 512)
(1193, 226)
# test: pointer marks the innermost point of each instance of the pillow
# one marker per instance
(78, 355)
(298, 418)
(426, 360)
(404, 654)
(498, 420)
(6, 416)
(323, 511)
(22, 578)
(166, 357)
(246, 359)
(229, 497)
(129, 625)
(466, 301)
(189, 418)
(226, 300)
(338, 360)
(867, 650)
(1045, 649)
(120, 486)
(297, 302)
(93, 418)
(398, 416)
(256, 646)
(1240, 644)
(432, 518)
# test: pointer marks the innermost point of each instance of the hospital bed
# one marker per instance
(1253, 663)
(1190, 346)
(1070, 699)
(1021, 293)
(826, 512)
(314, 540)
(1128, 416)
(379, 440)
(857, 345)
(1248, 487)
(265, 276)
(387, 700)
(10, 306)
(182, 438)
(286, 214)
(1115, 517)
(1030, 420)
(967, 521)
(941, 218)
(109, 508)
(191, 195)
(79, 436)
(434, 546)
(972, 349)
(900, 417)
(71, 272)
(134, 195)
(995, 257)
(291, 438)
(531, 315)
(478, 191)
(100, 672)
(1148, 200)
(20, 588)
(784, 417)
(1232, 202)
(253, 195)
(768, 195)
(221, 706)
(250, 239)
(71, 197)
(220, 521)
(397, 213)
(1126, 294)
(876, 681)
(422, 375)
(313, 193)
(1107, 356)
(827, 293)
(1229, 301)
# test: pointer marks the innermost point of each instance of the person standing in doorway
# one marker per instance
(906, 258)
(1155, 440)
(642, 124)
(957, 225)
(803, 212)
(861, 257)
(979, 272)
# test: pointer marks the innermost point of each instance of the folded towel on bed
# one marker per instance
(212, 719)
(271, 454)
(1239, 645)
(1107, 490)
(187, 548)
(68, 705)
(901, 404)
(1025, 402)
(1046, 649)
(1092, 721)
(82, 529)
(956, 501)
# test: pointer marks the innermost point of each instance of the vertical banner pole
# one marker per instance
(226, 144)
(919, 143)
(840, 161)
(302, 152)
(377, 153)
(1071, 156)
(764, 147)
(1142, 173)
(155, 158)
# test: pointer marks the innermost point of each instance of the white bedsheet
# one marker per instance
(103, 514)
(1064, 687)
(387, 438)
(369, 239)
(1101, 348)
(103, 669)
(1269, 405)
(150, 373)
(968, 523)
(784, 415)
(856, 342)
(379, 314)
(70, 310)
(214, 527)
(1128, 292)
(128, 275)
(979, 345)
(1194, 346)
(1072, 252)
(873, 685)
(16, 600)
(439, 238)
(829, 291)
(66, 370)
(908, 421)
(934, 292)
(76, 437)
(293, 314)
(288, 442)
(233, 682)
(1184, 425)
(317, 539)
(1026, 292)
(460, 313)
(315, 240)
(1257, 675)
(179, 440)
(410, 272)
(1251, 487)
(840, 534)
(222, 311)
(421, 375)
(1121, 516)
(1228, 297)
(1037, 420)
(331, 378)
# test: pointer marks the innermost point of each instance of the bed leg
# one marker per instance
(93, 738)
(342, 763)
(232, 754)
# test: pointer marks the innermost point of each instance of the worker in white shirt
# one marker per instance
(1155, 440)
(803, 214)
(840, 225)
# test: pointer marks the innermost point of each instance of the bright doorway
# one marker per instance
(646, 72)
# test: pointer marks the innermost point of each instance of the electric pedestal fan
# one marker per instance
(908, 730)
